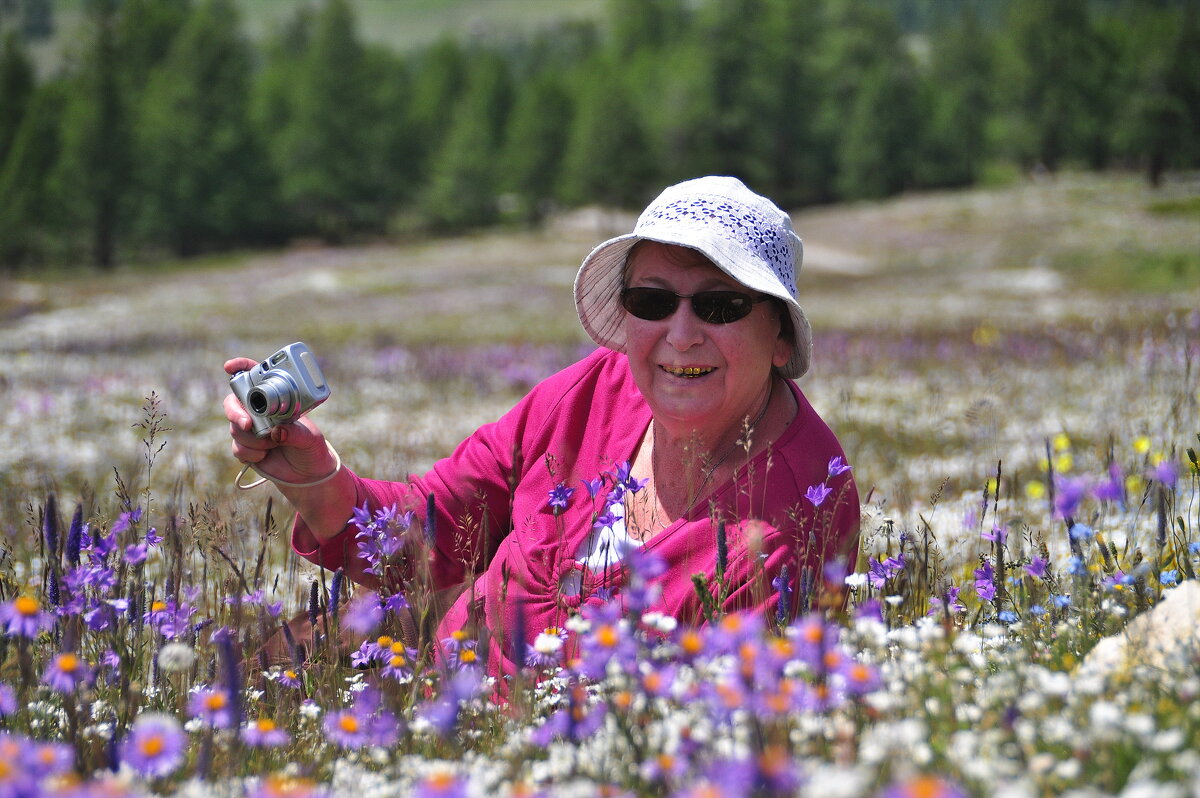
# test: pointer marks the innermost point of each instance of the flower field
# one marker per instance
(1014, 374)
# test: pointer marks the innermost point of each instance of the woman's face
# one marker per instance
(699, 377)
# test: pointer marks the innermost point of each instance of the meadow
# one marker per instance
(1013, 373)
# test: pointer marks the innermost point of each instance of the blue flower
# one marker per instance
(1082, 532)
(1168, 578)
(1061, 601)
(1076, 566)
(560, 496)
(1007, 616)
(818, 494)
(837, 465)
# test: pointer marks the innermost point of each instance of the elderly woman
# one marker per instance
(684, 425)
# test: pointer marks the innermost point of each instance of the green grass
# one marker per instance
(1133, 270)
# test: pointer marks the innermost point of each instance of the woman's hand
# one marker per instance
(294, 452)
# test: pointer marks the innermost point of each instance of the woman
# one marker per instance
(684, 426)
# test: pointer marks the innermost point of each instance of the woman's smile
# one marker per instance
(688, 372)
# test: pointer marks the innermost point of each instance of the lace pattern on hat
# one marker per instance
(746, 226)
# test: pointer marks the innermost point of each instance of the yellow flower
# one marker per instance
(1061, 442)
(1133, 484)
(1064, 463)
(1142, 444)
(993, 487)
(1035, 490)
(985, 335)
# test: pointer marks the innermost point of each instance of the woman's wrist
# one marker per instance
(264, 477)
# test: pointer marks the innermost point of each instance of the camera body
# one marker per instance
(281, 388)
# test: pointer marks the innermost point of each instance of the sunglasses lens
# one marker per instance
(651, 304)
(722, 307)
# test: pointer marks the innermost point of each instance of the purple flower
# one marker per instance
(14, 780)
(169, 619)
(985, 581)
(154, 746)
(814, 638)
(398, 662)
(66, 672)
(441, 783)
(363, 613)
(837, 466)
(152, 537)
(280, 786)
(442, 713)
(818, 494)
(126, 520)
(396, 602)
(213, 706)
(98, 546)
(136, 553)
(1068, 493)
(48, 759)
(879, 572)
(289, 678)
(594, 486)
(999, 534)
(560, 496)
(365, 723)
(609, 638)
(924, 787)
(24, 617)
(623, 476)
(381, 535)
(948, 600)
(1165, 473)
(1037, 567)
(1113, 488)
(857, 678)
(547, 648)
(263, 733)
(574, 723)
(8, 701)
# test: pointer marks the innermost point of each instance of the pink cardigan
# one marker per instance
(495, 522)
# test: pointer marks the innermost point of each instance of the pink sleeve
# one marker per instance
(471, 499)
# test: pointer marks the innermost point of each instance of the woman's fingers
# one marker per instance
(234, 365)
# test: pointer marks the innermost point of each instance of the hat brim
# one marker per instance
(600, 279)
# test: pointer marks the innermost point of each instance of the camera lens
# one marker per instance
(275, 396)
(258, 402)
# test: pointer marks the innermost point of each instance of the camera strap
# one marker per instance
(337, 459)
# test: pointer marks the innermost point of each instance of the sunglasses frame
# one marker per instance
(699, 295)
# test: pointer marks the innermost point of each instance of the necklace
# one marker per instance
(747, 431)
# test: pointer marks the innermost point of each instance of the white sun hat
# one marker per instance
(744, 234)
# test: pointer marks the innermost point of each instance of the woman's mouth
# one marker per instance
(689, 372)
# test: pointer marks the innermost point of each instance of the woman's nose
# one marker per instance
(684, 328)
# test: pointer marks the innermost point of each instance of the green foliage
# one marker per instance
(202, 182)
(322, 151)
(1054, 70)
(608, 158)
(535, 142)
(29, 206)
(809, 101)
(463, 180)
(958, 94)
(93, 171)
(16, 86)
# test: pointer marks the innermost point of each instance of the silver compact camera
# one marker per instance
(280, 389)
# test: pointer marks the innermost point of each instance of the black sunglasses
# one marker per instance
(713, 307)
